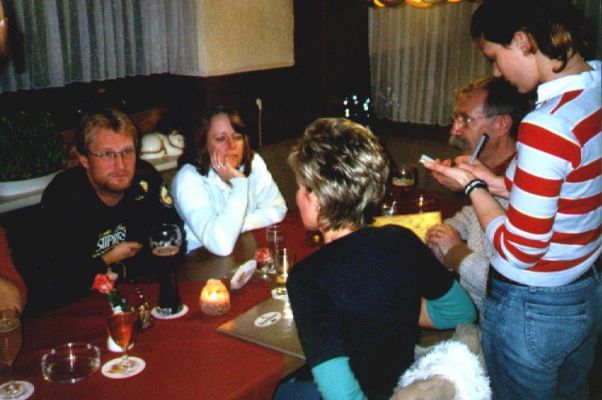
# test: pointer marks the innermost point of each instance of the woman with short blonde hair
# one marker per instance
(357, 301)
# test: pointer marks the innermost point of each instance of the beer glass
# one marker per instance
(165, 243)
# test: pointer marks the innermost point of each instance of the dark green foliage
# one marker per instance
(30, 146)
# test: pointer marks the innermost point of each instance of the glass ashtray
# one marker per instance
(70, 362)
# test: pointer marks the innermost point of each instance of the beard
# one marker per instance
(112, 185)
(459, 143)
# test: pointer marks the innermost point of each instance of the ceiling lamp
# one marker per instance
(413, 3)
(385, 3)
(418, 3)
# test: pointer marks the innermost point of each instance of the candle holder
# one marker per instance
(215, 298)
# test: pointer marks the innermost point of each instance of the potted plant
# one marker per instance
(31, 152)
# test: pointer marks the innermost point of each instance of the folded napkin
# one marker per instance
(243, 274)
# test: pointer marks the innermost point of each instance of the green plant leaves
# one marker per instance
(30, 146)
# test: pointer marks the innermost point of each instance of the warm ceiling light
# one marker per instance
(454, 1)
(386, 3)
(418, 3)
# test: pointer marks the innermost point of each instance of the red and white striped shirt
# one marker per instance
(551, 233)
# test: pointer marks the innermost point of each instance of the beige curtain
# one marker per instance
(68, 41)
(418, 56)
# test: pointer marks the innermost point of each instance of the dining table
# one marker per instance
(185, 357)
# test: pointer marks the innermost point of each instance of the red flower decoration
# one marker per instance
(263, 255)
(103, 283)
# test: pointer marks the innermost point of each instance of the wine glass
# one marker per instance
(405, 179)
(165, 243)
(11, 338)
(122, 329)
(388, 205)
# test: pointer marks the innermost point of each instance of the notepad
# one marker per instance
(268, 324)
(417, 223)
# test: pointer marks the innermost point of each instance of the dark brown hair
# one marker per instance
(196, 152)
(555, 27)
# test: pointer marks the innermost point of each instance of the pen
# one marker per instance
(479, 147)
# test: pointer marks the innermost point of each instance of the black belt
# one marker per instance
(493, 273)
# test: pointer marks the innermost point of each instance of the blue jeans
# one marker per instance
(539, 342)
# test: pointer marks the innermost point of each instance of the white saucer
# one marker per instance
(109, 372)
(155, 313)
(28, 389)
(278, 296)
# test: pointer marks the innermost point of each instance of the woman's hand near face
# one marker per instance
(223, 169)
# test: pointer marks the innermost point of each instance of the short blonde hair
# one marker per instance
(110, 118)
(345, 166)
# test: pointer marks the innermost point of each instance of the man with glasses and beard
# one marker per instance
(487, 105)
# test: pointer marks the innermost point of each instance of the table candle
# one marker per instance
(214, 299)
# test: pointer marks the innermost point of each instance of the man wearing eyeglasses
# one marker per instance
(488, 105)
(98, 214)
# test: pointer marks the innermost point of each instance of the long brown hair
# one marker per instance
(196, 152)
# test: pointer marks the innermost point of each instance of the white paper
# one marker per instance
(424, 158)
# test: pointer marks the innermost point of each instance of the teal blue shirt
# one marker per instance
(451, 309)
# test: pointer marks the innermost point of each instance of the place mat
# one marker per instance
(268, 324)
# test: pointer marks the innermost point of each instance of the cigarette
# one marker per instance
(479, 147)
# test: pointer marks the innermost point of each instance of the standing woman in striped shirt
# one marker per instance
(540, 315)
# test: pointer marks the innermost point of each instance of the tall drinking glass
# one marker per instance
(284, 262)
(165, 243)
(275, 239)
(11, 338)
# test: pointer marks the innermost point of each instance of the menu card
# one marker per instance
(417, 223)
(268, 324)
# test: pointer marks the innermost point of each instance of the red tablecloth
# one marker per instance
(185, 357)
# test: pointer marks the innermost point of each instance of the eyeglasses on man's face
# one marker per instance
(110, 155)
(465, 120)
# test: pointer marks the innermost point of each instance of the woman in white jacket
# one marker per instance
(222, 187)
